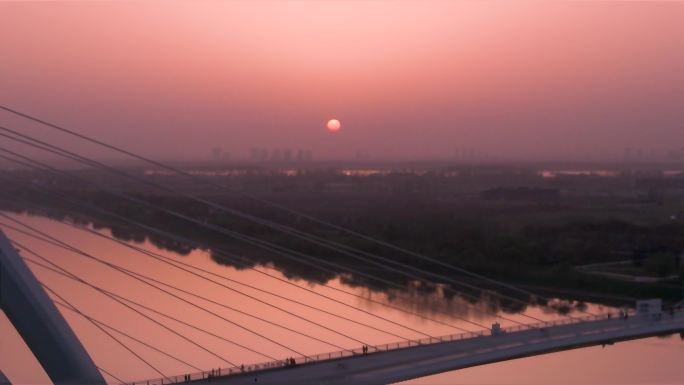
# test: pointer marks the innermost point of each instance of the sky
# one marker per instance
(407, 80)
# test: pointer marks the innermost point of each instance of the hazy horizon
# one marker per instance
(407, 80)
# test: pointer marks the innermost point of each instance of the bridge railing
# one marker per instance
(279, 364)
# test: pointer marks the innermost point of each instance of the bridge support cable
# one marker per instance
(103, 330)
(185, 267)
(245, 265)
(146, 280)
(242, 264)
(57, 266)
(281, 297)
(76, 278)
(270, 246)
(341, 248)
(276, 249)
(107, 372)
(264, 201)
(236, 260)
(176, 237)
(242, 237)
(158, 282)
(110, 327)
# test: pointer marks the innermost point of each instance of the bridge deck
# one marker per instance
(412, 359)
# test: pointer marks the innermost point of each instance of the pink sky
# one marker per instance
(407, 79)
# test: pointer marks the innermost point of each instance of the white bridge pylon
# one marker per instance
(40, 324)
(416, 361)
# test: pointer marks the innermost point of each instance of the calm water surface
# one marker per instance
(649, 361)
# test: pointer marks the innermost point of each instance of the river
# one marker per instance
(251, 291)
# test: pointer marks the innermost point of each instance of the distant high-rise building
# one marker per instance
(276, 155)
(216, 153)
(257, 154)
(254, 154)
(639, 154)
(676, 155)
(464, 153)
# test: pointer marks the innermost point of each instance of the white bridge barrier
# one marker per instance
(480, 342)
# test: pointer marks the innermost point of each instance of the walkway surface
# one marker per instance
(407, 360)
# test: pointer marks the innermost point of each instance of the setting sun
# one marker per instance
(334, 125)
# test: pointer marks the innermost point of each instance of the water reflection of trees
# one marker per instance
(423, 296)
(469, 241)
(439, 302)
(515, 235)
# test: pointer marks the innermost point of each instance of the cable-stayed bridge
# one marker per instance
(415, 358)
(31, 305)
